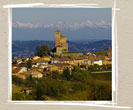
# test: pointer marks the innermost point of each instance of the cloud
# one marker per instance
(62, 25)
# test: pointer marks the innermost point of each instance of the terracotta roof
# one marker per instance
(110, 60)
(62, 64)
(93, 58)
(40, 60)
(24, 73)
(27, 88)
(22, 65)
(101, 57)
(85, 57)
(45, 72)
(66, 59)
(14, 64)
(34, 72)
(21, 75)
(19, 59)
(16, 70)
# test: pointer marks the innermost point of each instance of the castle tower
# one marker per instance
(57, 38)
(60, 43)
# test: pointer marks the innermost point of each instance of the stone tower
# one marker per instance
(60, 43)
(109, 53)
(57, 38)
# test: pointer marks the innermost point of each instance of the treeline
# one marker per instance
(75, 85)
(95, 67)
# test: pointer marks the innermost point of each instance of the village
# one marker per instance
(60, 61)
(47, 64)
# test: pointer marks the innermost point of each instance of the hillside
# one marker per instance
(105, 52)
(28, 48)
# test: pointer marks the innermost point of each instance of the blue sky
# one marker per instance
(65, 19)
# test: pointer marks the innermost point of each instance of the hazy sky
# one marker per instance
(99, 19)
(53, 15)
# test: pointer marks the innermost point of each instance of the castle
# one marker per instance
(61, 46)
(60, 43)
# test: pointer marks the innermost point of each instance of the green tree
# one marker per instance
(29, 64)
(55, 75)
(81, 75)
(66, 74)
(76, 68)
(100, 92)
(39, 91)
(42, 50)
(52, 90)
(17, 80)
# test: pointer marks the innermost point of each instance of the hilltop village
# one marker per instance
(60, 74)
(59, 60)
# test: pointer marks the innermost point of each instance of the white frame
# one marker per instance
(112, 103)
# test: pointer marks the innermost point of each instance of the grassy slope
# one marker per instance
(16, 88)
(102, 76)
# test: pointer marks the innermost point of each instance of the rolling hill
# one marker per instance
(28, 48)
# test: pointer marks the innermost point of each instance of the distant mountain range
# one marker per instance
(45, 33)
(28, 48)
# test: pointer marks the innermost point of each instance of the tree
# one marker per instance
(55, 74)
(42, 50)
(29, 64)
(66, 74)
(17, 80)
(81, 75)
(52, 90)
(100, 91)
(76, 68)
(39, 91)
